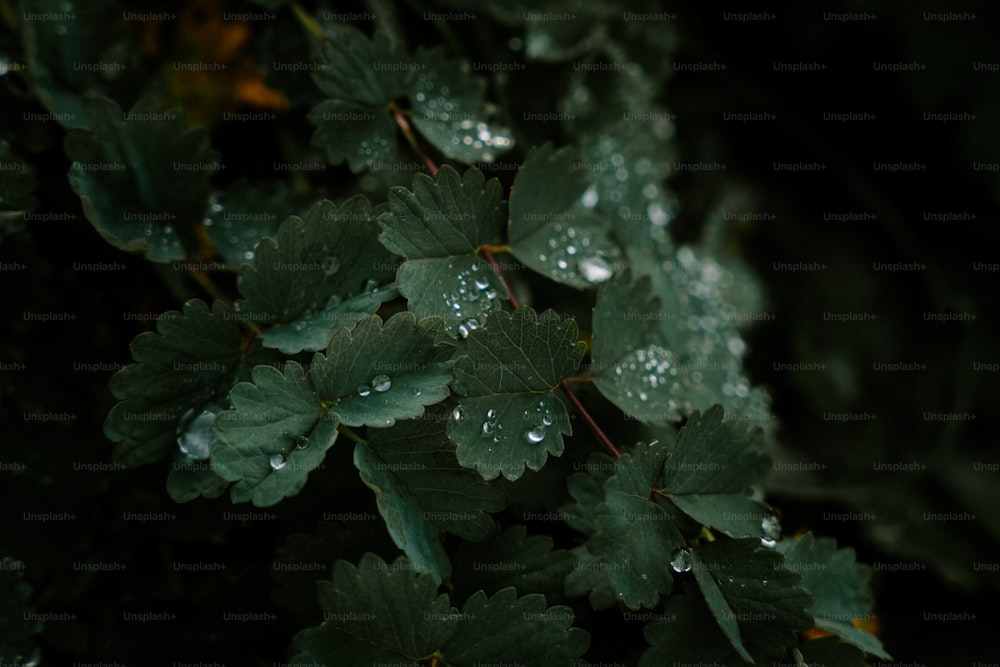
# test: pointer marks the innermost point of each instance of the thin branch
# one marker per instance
(488, 254)
(400, 116)
(605, 440)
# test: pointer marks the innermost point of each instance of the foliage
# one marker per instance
(454, 335)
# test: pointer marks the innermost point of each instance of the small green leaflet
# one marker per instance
(758, 605)
(634, 532)
(512, 558)
(143, 177)
(687, 633)
(422, 490)
(18, 182)
(363, 78)
(192, 359)
(239, 217)
(449, 110)
(839, 583)
(711, 467)
(438, 226)
(548, 232)
(189, 480)
(385, 613)
(259, 438)
(283, 423)
(508, 416)
(319, 273)
(586, 488)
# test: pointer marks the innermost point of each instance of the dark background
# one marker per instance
(948, 558)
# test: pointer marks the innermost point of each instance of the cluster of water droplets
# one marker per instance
(375, 150)
(235, 238)
(457, 128)
(195, 436)
(540, 419)
(579, 253)
(379, 384)
(278, 461)
(478, 293)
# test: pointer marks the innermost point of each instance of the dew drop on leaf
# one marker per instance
(302, 442)
(364, 390)
(680, 560)
(457, 413)
(768, 543)
(595, 269)
(381, 383)
(196, 439)
(771, 527)
(277, 461)
(536, 434)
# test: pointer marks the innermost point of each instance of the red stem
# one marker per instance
(488, 254)
(404, 125)
(605, 440)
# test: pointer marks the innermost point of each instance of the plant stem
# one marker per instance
(307, 20)
(605, 440)
(346, 431)
(400, 116)
(488, 254)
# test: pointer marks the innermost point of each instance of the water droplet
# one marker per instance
(768, 543)
(590, 197)
(248, 255)
(491, 413)
(277, 461)
(536, 434)
(595, 269)
(302, 442)
(489, 427)
(680, 560)
(763, 582)
(196, 439)
(562, 263)
(370, 285)
(482, 283)
(463, 330)
(547, 420)
(771, 527)
(364, 390)
(643, 577)
(381, 383)
(457, 413)
(391, 421)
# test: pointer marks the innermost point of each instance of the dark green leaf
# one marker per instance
(839, 584)
(505, 629)
(376, 613)
(550, 230)
(422, 490)
(261, 438)
(759, 606)
(634, 534)
(687, 633)
(512, 558)
(188, 480)
(449, 110)
(240, 217)
(361, 77)
(438, 226)
(143, 177)
(192, 360)
(711, 468)
(316, 275)
(508, 416)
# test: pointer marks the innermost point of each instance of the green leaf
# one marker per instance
(18, 182)
(376, 613)
(421, 490)
(757, 604)
(379, 613)
(548, 231)
(262, 437)
(316, 275)
(589, 577)
(191, 360)
(505, 629)
(238, 218)
(449, 110)
(634, 535)
(283, 423)
(687, 633)
(711, 467)
(189, 480)
(143, 177)
(379, 373)
(512, 558)
(90, 33)
(839, 584)
(438, 226)
(361, 77)
(587, 490)
(508, 416)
